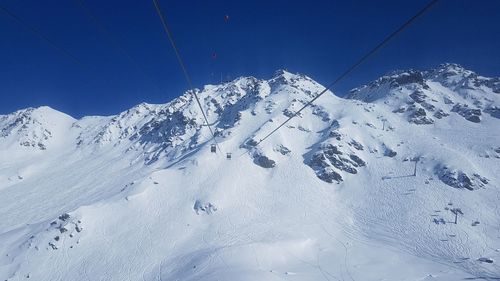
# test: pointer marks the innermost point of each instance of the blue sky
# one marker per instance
(133, 62)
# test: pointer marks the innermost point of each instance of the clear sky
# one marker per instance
(125, 58)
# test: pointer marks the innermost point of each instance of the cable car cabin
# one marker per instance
(213, 148)
(228, 156)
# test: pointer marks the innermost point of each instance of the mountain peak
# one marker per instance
(34, 126)
(447, 70)
(284, 75)
(448, 66)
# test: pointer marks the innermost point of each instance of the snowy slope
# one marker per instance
(331, 196)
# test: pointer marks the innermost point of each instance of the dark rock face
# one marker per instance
(331, 150)
(470, 114)
(419, 117)
(336, 135)
(418, 96)
(283, 150)
(447, 100)
(204, 207)
(322, 113)
(249, 144)
(165, 131)
(356, 145)
(329, 175)
(402, 109)
(419, 112)
(394, 79)
(409, 77)
(459, 179)
(329, 161)
(494, 111)
(359, 162)
(320, 165)
(389, 152)
(64, 217)
(288, 113)
(341, 164)
(428, 106)
(474, 118)
(494, 84)
(440, 114)
(264, 161)
(486, 260)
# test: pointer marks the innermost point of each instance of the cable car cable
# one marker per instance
(356, 65)
(39, 34)
(183, 67)
(113, 42)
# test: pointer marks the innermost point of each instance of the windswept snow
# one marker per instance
(366, 187)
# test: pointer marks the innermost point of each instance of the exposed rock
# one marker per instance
(359, 162)
(428, 106)
(207, 207)
(53, 246)
(78, 228)
(418, 96)
(447, 100)
(249, 144)
(330, 158)
(323, 170)
(440, 114)
(370, 125)
(335, 125)
(411, 76)
(64, 217)
(331, 149)
(401, 109)
(264, 161)
(419, 112)
(419, 117)
(341, 163)
(389, 152)
(494, 111)
(303, 129)
(459, 179)
(283, 150)
(469, 114)
(356, 145)
(336, 135)
(321, 112)
(486, 260)
(494, 84)
(288, 113)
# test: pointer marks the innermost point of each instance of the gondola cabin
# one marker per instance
(228, 156)
(213, 148)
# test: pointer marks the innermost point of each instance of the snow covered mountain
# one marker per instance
(366, 187)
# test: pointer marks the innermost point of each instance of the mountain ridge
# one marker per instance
(382, 181)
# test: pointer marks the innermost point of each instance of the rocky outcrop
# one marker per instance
(263, 161)
(459, 179)
(419, 117)
(470, 114)
(331, 160)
